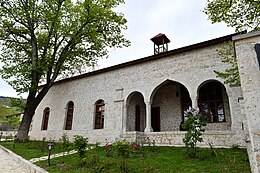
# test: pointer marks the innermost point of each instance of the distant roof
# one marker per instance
(152, 57)
(160, 39)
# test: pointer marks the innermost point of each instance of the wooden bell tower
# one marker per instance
(160, 43)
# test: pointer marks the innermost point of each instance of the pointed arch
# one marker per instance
(213, 101)
(168, 101)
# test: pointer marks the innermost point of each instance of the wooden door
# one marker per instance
(156, 119)
(137, 118)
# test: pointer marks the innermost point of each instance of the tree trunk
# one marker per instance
(32, 103)
(24, 128)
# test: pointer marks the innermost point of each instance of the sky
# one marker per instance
(182, 21)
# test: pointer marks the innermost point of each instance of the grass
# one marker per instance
(155, 160)
(33, 149)
(145, 160)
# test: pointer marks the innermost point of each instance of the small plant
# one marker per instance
(89, 161)
(193, 124)
(109, 150)
(97, 144)
(42, 146)
(122, 149)
(64, 141)
(81, 144)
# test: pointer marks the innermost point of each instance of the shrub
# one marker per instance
(64, 141)
(122, 149)
(81, 144)
(193, 124)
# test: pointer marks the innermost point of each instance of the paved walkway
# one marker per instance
(52, 156)
(9, 165)
(55, 155)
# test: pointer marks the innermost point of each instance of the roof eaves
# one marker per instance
(152, 57)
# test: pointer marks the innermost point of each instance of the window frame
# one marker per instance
(99, 114)
(211, 96)
(45, 118)
(69, 116)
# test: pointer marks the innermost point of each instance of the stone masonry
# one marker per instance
(249, 69)
(146, 82)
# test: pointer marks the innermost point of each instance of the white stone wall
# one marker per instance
(225, 138)
(190, 68)
(249, 69)
(170, 107)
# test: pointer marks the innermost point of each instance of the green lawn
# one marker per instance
(33, 149)
(147, 159)
(155, 160)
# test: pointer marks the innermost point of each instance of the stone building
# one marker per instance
(144, 99)
(248, 55)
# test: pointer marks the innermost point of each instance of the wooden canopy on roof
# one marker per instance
(161, 41)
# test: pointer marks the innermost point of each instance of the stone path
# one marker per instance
(9, 165)
(55, 155)
(52, 156)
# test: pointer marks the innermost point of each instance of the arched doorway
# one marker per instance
(136, 112)
(169, 100)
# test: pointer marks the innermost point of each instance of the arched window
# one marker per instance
(100, 113)
(211, 102)
(45, 118)
(69, 117)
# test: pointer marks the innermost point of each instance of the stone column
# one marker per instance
(148, 127)
(124, 120)
(194, 102)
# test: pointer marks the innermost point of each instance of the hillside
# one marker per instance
(5, 100)
(8, 107)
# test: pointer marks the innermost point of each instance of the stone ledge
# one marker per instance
(25, 163)
(224, 132)
(246, 35)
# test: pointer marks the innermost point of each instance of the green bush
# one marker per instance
(64, 141)
(81, 144)
(194, 126)
(122, 149)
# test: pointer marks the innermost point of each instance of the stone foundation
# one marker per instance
(216, 138)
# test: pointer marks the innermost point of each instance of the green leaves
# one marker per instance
(42, 39)
(194, 126)
(81, 144)
(226, 55)
(243, 15)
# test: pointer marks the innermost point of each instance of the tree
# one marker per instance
(18, 104)
(226, 55)
(243, 15)
(4, 110)
(40, 39)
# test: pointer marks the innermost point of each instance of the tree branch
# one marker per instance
(51, 31)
